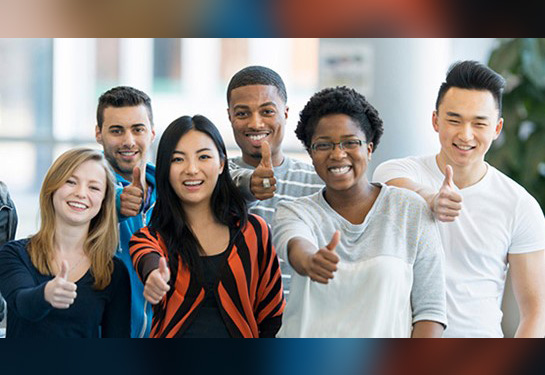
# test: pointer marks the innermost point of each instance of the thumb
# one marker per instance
(64, 270)
(136, 178)
(334, 241)
(266, 158)
(449, 177)
(163, 269)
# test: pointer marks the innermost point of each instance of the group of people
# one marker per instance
(188, 247)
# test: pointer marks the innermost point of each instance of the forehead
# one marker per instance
(195, 140)
(469, 102)
(126, 116)
(90, 170)
(254, 95)
(337, 126)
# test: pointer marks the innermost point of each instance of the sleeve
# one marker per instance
(116, 320)
(396, 168)
(270, 292)
(118, 191)
(287, 224)
(428, 296)
(242, 177)
(146, 250)
(529, 233)
(22, 293)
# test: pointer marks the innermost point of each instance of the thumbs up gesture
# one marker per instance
(263, 183)
(60, 292)
(323, 263)
(447, 203)
(157, 283)
(132, 195)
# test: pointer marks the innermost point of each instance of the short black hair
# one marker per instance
(472, 75)
(257, 75)
(122, 96)
(339, 100)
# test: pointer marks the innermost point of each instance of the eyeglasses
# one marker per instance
(349, 144)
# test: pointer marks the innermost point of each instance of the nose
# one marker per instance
(337, 153)
(81, 191)
(128, 140)
(192, 167)
(466, 133)
(256, 122)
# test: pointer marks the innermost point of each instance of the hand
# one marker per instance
(321, 265)
(264, 170)
(132, 195)
(447, 203)
(157, 283)
(60, 292)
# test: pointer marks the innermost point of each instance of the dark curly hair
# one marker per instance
(339, 100)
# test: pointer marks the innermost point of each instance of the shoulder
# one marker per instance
(403, 199)
(150, 173)
(237, 162)
(120, 269)
(302, 205)
(15, 247)
(146, 235)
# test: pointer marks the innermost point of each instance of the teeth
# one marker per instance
(339, 170)
(192, 183)
(256, 137)
(465, 148)
(127, 153)
(77, 205)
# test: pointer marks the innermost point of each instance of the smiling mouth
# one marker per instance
(193, 183)
(257, 137)
(77, 205)
(128, 153)
(340, 170)
(463, 148)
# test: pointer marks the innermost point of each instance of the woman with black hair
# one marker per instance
(368, 256)
(208, 267)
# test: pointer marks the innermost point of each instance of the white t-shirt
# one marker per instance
(498, 217)
(390, 274)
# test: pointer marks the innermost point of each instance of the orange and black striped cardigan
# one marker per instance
(249, 290)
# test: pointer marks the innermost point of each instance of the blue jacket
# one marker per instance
(141, 311)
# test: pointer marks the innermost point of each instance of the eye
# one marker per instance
(140, 129)
(95, 188)
(71, 182)
(323, 146)
(452, 121)
(241, 114)
(176, 159)
(269, 112)
(204, 157)
(115, 131)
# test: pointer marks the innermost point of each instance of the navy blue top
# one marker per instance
(94, 313)
(208, 322)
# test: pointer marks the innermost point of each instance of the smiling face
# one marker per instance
(257, 113)
(126, 135)
(467, 122)
(341, 170)
(195, 168)
(80, 198)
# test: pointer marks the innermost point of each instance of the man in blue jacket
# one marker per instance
(125, 130)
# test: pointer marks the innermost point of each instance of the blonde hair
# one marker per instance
(102, 239)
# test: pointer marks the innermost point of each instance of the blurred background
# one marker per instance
(49, 90)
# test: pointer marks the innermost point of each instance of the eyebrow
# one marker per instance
(199, 150)
(342, 136)
(90, 181)
(261, 105)
(454, 114)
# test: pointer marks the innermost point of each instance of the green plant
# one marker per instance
(520, 150)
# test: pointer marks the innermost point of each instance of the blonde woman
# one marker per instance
(64, 281)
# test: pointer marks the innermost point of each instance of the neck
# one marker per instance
(466, 175)
(277, 159)
(70, 239)
(361, 195)
(199, 215)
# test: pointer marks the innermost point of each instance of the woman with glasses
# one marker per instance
(368, 257)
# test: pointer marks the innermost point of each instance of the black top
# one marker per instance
(94, 313)
(208, 322)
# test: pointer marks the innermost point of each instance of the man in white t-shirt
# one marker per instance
(487, 221)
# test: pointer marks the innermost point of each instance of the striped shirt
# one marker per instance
(249, 289)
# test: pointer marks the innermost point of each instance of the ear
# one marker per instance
(152, 134)
(435, 121)
(222, 165)
(499, 127)
(370, 147)
(229, 115)
(286, 112)
(98, 134)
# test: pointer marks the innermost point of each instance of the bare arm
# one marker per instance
(527, 272)
(318, 265)
(427, 329)
(445, 203)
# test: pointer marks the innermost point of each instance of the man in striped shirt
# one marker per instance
(257, 110)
